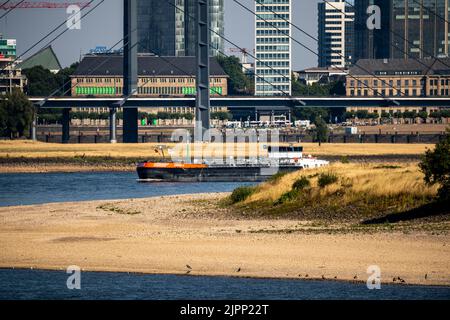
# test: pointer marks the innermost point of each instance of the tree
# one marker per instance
(221, 115)
(3, 119)
(311, 114)
(42, 82)
(321, 130)
(17, 114)
(238, 83)
(423, 115)
(435, 165)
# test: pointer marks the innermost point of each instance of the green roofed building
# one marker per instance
(102, 76)
(45, 58)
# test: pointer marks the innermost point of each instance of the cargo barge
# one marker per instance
(280, 159)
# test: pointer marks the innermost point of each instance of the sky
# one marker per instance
(103, 27)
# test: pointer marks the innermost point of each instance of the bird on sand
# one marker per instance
(426, 276)
(189, 271)
(323, 277)
(188, 266)
(238, 270)
(355, 277)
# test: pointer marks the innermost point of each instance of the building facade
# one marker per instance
(168, 31)
(408, 29)
(336, 34)
(399, 78)
(273, 47)
(101, 76)
(320, 75)
(11, 77)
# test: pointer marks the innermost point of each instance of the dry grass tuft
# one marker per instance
(361, 191)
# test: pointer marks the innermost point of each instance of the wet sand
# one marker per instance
(163, 235)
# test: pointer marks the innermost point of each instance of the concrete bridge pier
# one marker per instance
(33, 127)
(113, 125)
(66, 125)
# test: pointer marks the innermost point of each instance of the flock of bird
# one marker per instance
(395, 279)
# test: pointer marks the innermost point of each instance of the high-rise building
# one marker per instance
(336, 32)
(167, 31)
(371, 43)
(11, 77)
(273, 48)
(408, 29)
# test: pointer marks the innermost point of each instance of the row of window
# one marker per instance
(384, 83)
(272, 40)
(272, 48)
(281, 89)
(272, 8)
(273, 24)
(272, 63)
(272, 56)
(272, 71)
(145, 80)
(272, 80)
(269, 16)
(145, 90)
(266, 2)
(399, 93)
(272, 32)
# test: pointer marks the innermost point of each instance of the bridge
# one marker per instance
(242, 102)
(252, 103)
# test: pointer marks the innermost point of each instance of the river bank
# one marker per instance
(118, 164)
(28, 156)
(195, 235)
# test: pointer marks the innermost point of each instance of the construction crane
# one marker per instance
(243, 51)
(41, 5)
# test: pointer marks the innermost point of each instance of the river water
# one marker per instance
(37, 284)
(25, 189)
(36, 188)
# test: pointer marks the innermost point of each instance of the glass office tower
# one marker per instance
(419, 28)
(273, 48)
(167, 31)
(409, 29)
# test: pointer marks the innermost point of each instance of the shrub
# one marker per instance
(435, 165)
(344, 159)
(301, 184)
(326, 179)
(287, 196)
(242, 193)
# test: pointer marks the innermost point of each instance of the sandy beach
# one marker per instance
(165, 234)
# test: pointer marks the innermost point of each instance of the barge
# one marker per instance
(280, 159)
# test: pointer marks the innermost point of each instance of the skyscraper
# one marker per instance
(409, 29)
(336, 32)
(167, 31)
(375, 43)
(273, 47)
(420, 28)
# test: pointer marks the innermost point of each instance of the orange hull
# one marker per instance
(172, 165)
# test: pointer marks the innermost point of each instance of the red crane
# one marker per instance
(41, 5)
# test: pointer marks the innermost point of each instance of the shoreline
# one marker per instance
(161, 235)
(115, 164)
(229, 276)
